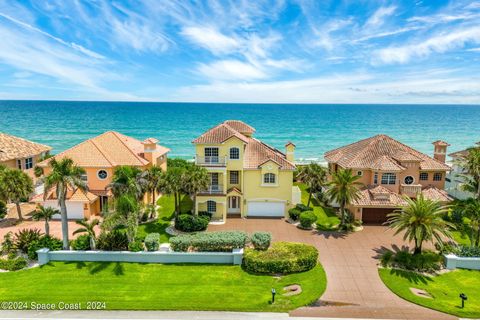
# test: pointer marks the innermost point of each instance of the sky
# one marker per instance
(318, 51)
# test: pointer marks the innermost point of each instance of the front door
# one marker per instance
(233, 204)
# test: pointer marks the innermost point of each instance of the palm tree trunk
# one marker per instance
(342, 212)
(176, 204)
(19, 210)
(418, 247)
(309, 198)
(153, 198)
(63, 212)
(47, 227)
(92, 242)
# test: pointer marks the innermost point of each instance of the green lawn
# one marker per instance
(444, 289)
(165, 215)
(132, 286)
(326, 216)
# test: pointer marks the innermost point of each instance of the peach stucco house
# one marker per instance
(390, 170)
(21, 154)
(99, 156)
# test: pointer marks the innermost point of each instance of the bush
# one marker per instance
(427, 261)
(81, 243)
(191, 223)
(205, 214)
(49, 242)
(281, 257)
(152, 241)
(135, 246)
(467, 251)
(307, 218)
(294, 213)
(25, 237)
(261, 240)
(13, 264)
(3, 209)
(303, 207)
(8, 245)
(223, 241)
(115, 240)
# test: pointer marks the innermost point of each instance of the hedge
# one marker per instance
(49, 242)
(282, 257)
(191, 223)
(223, 241)
(13, 264)
(294, 213)
(307, 218)
(261, 240)
(152, 241)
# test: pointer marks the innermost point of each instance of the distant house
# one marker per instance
(20, 153)
(100, 156)
(248, 178)
(390, 170)
(455, 178)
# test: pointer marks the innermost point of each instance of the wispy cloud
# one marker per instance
(211, 39)
(379, 16)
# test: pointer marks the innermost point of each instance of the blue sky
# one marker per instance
(414, 51)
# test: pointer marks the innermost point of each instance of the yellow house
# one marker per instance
(248, 178)
(21, 154)
(100, 156)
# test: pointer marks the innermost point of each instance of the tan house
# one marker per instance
(455, 179)
(21, 154)
(390, 170)
(248, 178)
(100, 156)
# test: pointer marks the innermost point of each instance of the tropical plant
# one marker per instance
(173, 185)
(64, 176)
(45, 213)
(3, 209)
(89, 229)
(470, 209)
(421, 220)
(471, 164)
(152, 179)
(127, 180)
(344, 189)
(315, 177)
(23, 238)
(16, 186)
(126, 214)
(195, 179)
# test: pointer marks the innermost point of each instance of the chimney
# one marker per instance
(149, 147)
(440, 150)
(290, 151)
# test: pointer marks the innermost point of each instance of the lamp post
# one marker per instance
(463, 296)
(273, 295)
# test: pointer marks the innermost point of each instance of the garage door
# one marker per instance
(74, 210)
(266, 209)
(375, 215)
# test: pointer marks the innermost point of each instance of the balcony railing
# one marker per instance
(211, 161)
(411, 190)
(214, 189)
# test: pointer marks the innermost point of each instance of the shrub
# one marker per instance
(307, 218)
(81, 243)
(49, 242)
(205, 214)
(294, 213)
(3, 209)
(191, 223)
(261, 240)
(467, 251)
(8, 245)
(152, 241)
(135, 246)
(13, 264)
(303, 207)
(223, 241)
(386, 258)
(115, 240)
(427, 261)
(281, 257)
(25, 237)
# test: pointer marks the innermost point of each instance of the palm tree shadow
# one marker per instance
(412, 277)
(79, 264)
(330, 234)
(394, 248)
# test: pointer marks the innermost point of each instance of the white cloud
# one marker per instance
(231, 70)
(211, 39)
(378, 17)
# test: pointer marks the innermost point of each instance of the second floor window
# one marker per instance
(424, 176)
(375, 178)
(233, 177)
(29, 163)
(269, 178)
(211, 155)
(437, 176)
(19, 164)
(234, 153)
(102, 174)
(389, 178)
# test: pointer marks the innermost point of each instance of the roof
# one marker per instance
(435, 194)
(240, 126)
(12, 147)
(109, 149)
(77, 195)
(463, 153)
(256, 152)
(441, 143)
(378, 196)
(381, 151)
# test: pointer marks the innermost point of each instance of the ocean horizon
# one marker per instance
(314, 128)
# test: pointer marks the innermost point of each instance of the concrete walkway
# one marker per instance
(354, 288)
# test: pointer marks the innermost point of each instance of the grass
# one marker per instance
(133, 286)
(445, 289)
(326, 217)
(165, 215)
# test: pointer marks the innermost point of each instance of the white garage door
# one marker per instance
(74, 209)
(266, 209)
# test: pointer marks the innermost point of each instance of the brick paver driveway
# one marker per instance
(354, 288)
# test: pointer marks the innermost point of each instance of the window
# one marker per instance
(269, 178)
(437, 176)
(102, 174)
(234, 153)
(211, 155)
(359, 173)
(29, 163)
(424, 176)
(409, 180)
(211, 206)
(375, 178)
(389, 178)
(19, 164)
(214, 179)
(233, 177)
(84, 177)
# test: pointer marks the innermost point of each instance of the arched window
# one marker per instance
(234, 153)
(211, 206)
(269, 178)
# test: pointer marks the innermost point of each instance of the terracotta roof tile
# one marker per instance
(12, 147)
(240, 126)
(78, 195)
(220, 134)
(378, 196)
(436, 194)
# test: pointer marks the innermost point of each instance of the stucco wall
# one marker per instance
(454, 262)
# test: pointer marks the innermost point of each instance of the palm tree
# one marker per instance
(422, 220)
(126, 215)
(195, 179)
(64, 175)
(152, 179)
(16, 186)
(173, 185)
(471, 209)
(89, 229)
(343, 189)
(127, 180)
(471, 163)
(314, 176)
(45, 213)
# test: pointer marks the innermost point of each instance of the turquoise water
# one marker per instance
(313, 128)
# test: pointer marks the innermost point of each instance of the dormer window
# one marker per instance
(234, 153)
(269, 178)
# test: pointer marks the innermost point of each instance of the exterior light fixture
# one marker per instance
(463, 296)
(273, 295)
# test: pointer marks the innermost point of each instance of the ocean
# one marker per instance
(314, 128)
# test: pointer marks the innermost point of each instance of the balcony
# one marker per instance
(411, 190)
(211, 161)
(213, 189)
